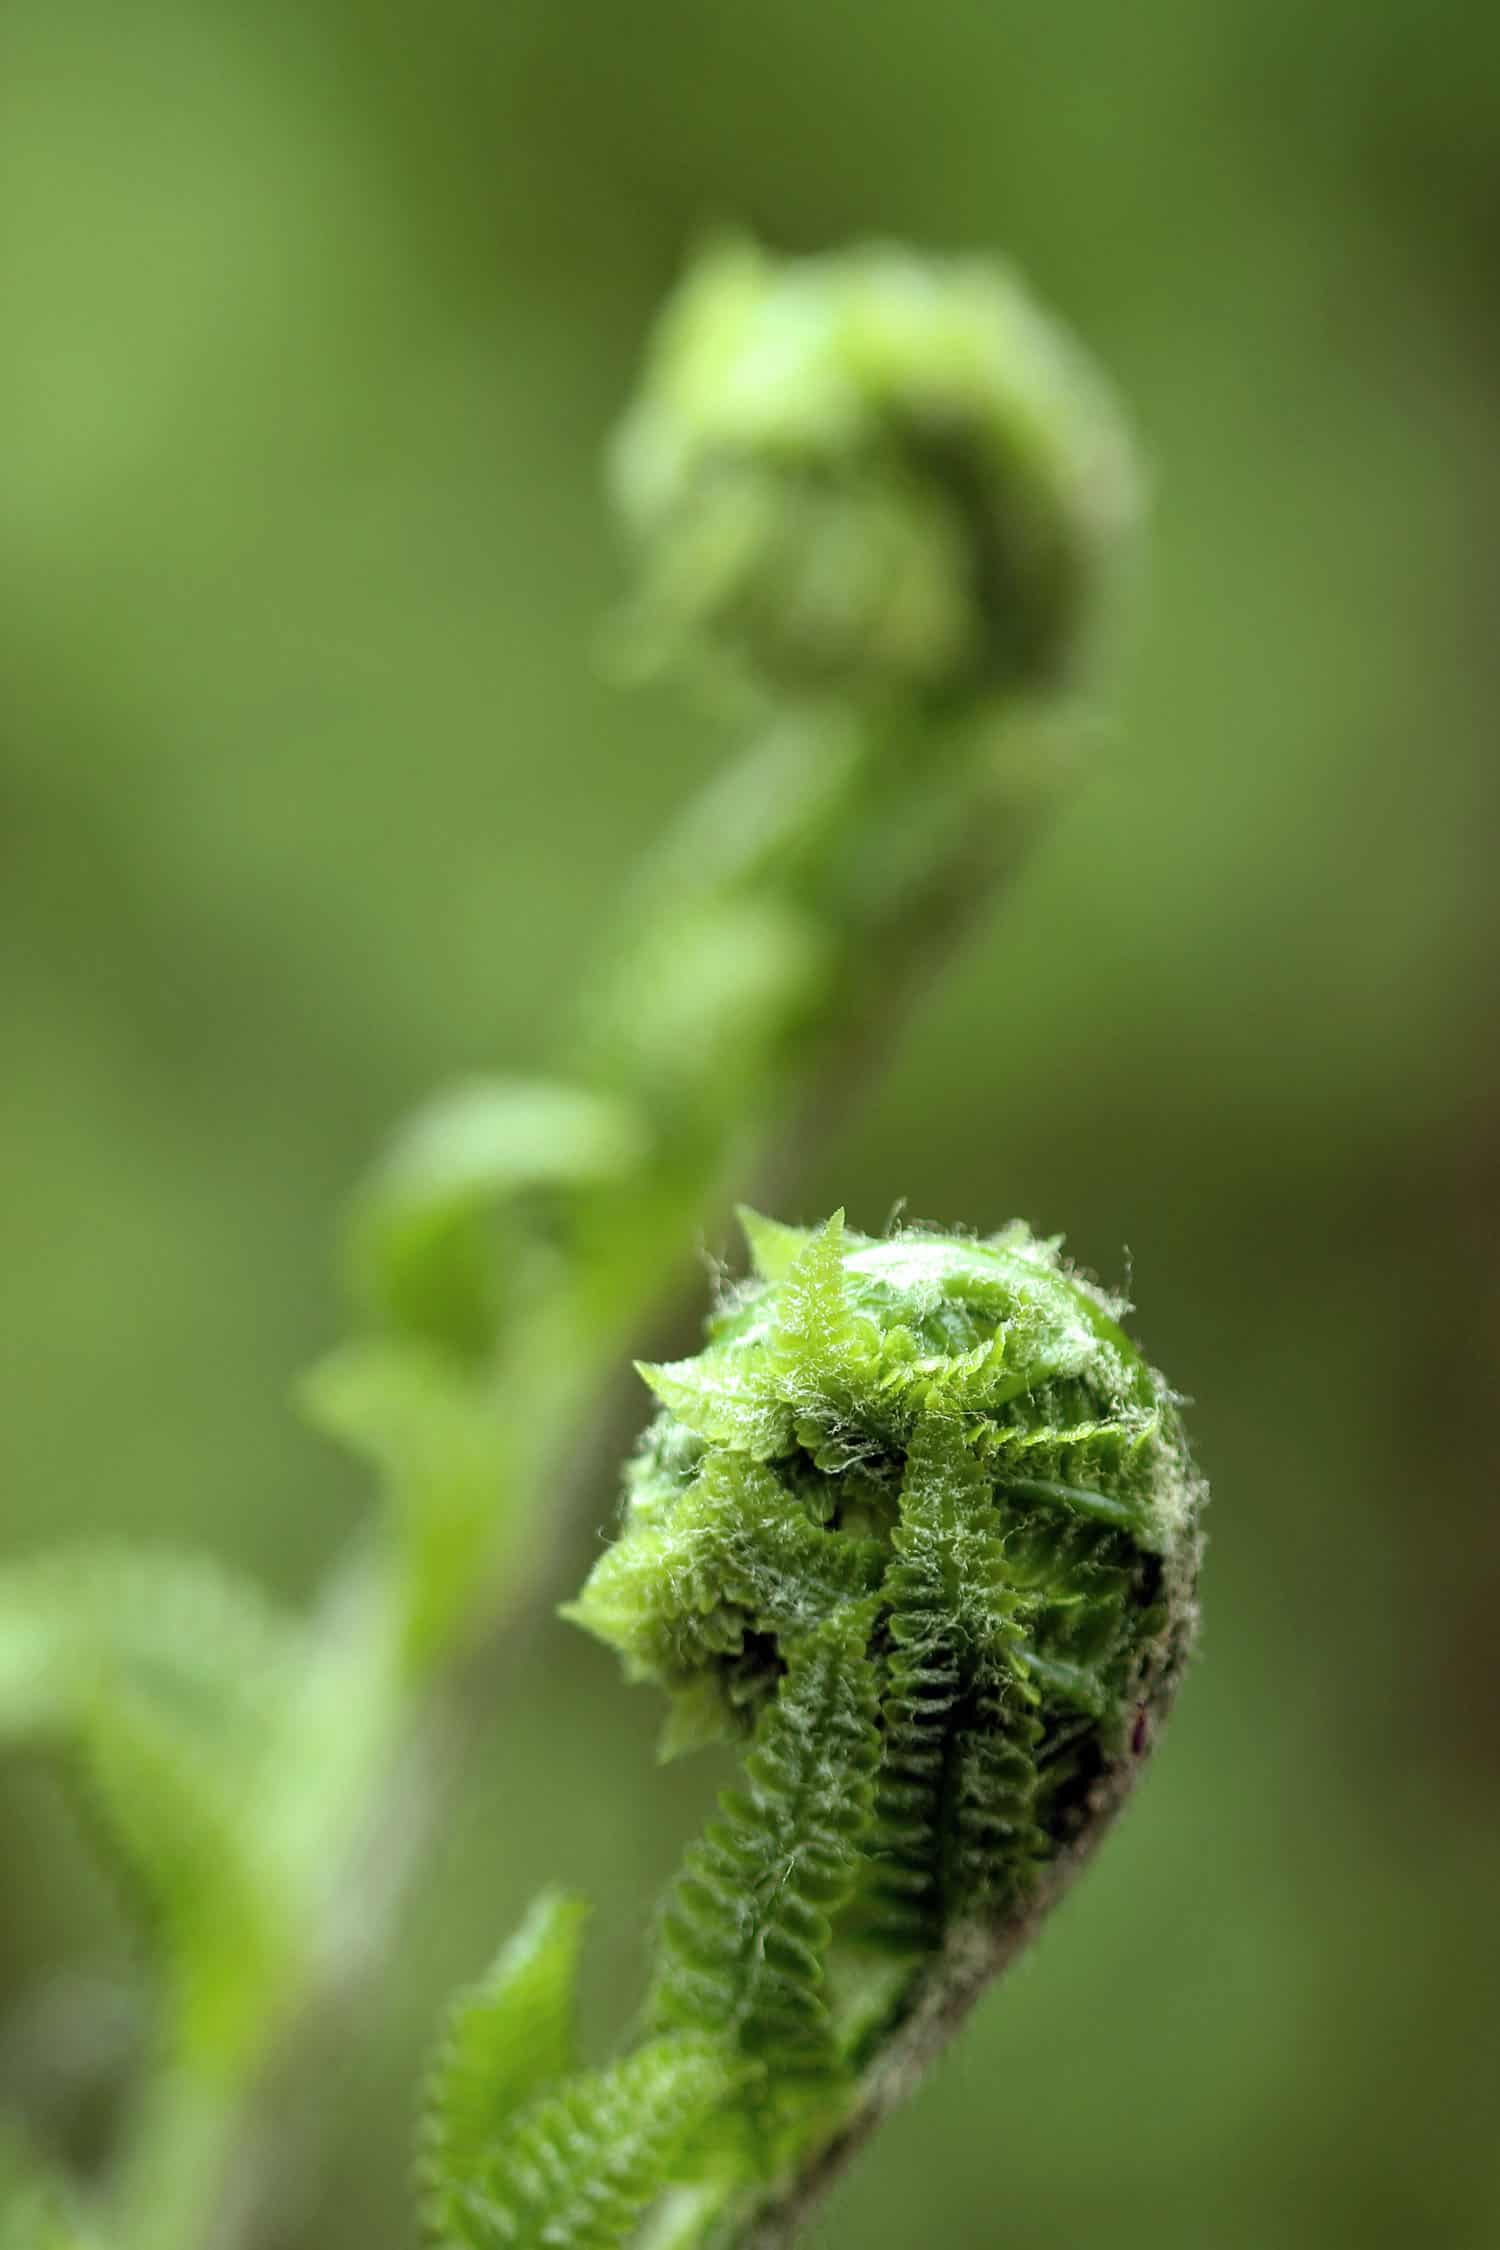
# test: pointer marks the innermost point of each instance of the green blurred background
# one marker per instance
(315, 317)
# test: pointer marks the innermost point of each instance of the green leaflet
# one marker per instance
(713, 1396)
(507, 2039)
(748, 1924)
(954, 1623)
(806, 1378)
(948, 1581)
(580, 2168)
(719, 1558)
(774, 1248)
(821, 1353)
(995, 1840)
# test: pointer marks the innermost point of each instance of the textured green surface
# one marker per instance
(922, 1521)
(956, 1427)
(748, 1924)
(508, 2040)
(580, 2167)
(314, 331)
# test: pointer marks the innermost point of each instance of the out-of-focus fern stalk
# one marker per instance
(879, 507)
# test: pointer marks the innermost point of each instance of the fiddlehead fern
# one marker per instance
(873, 475)
(883, 500)
(922, 1523)
(919, 1522)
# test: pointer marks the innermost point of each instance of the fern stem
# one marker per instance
(974, 1956)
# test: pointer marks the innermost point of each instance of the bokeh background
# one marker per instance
(315, 318)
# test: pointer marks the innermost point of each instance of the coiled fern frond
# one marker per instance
(872, 473)
(921, 1523)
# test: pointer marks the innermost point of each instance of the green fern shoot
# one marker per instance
(917, 1528)
(920, 1526)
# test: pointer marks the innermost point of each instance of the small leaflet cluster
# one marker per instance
(920, 1524)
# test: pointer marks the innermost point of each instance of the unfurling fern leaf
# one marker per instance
(580, 2168)
(749, 1922)
(507, 2039)
(923, 1506)
(961, 1431)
